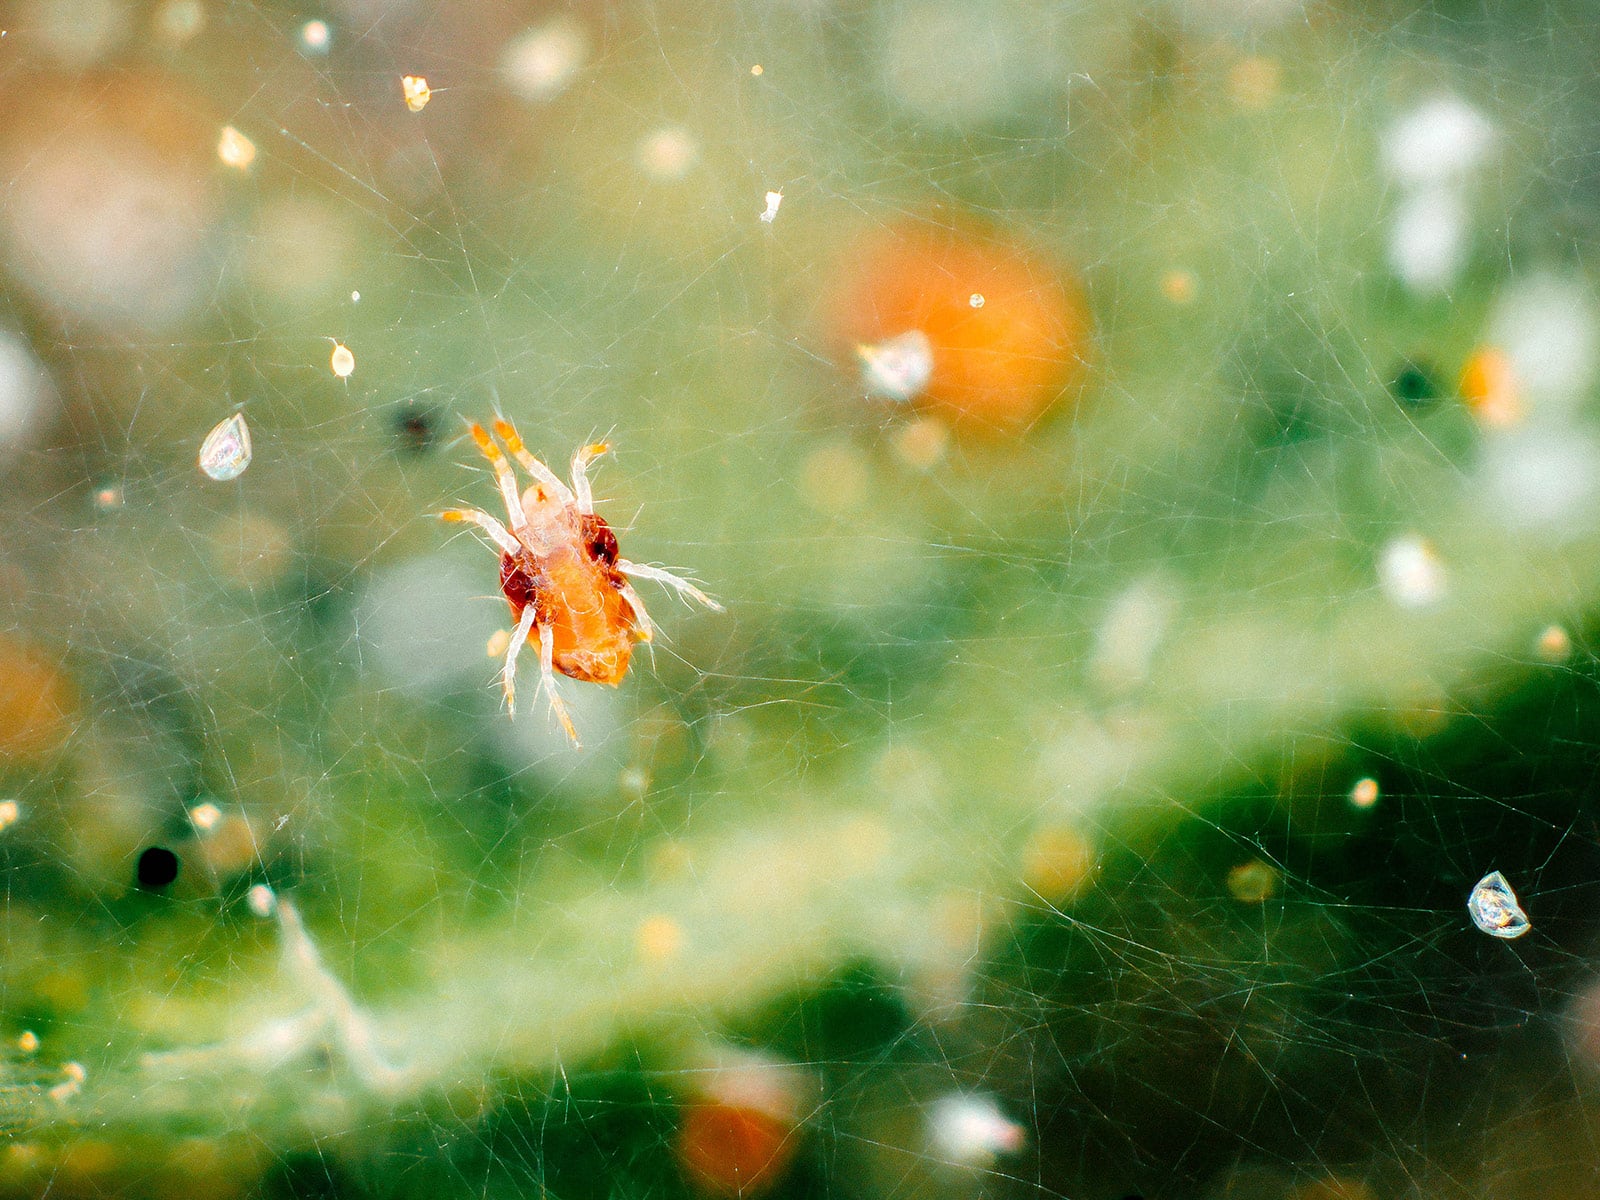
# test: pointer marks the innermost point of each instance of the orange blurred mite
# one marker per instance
(964, 323)
(559, 569)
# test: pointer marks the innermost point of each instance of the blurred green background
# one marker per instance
(1082, 792)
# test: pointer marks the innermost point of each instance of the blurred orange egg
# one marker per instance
(36, 702)
(1007, 330)
(740, 1129)
(1490, 389)
(732, 1151)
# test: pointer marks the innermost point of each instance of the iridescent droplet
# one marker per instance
(226, 451)
(1495, 909)
(897, 368)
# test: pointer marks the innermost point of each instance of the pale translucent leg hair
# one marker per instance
(497, 532)
(662, 575)
(547, 680)
(580, 474)
(508, 674)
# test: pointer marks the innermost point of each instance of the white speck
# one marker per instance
(1428, 239)
(1439, 141)
(415, 91)
(898, 367)
(10, 813)
(540, 63)
(1411, 573)
(225, 453)
(1495, 909)
(975, 300)
(204, 816)
(342, 361)
(315, 37)
(235, 150)
(261, 900)
(355, 297)
(971, 1131)
(774, 199)
(669, 154)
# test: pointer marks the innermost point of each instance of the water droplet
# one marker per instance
(1411, 573)
(226, 451)
(235, 150)
(1495, 909)
(315, 37)
(899, 367)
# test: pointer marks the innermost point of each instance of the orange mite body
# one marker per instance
(576, 591)
(570, 591)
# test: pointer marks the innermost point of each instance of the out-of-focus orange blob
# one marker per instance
(1489, 387)
(36, 702)
(729, 1150)
(740, 1128)
(1009, 331)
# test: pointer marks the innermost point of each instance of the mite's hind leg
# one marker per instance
(547, 680)
(508, 675)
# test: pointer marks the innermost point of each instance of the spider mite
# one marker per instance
(570, 592)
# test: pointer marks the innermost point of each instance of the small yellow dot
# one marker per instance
(757, 69)
(498, 641)
(1254, 882)
(1179, 286)
(1057, 863)
(1554, 644)
(1365, 793)
(28, 1042)
(659, 938)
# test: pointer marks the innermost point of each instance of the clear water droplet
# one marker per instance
(1495, 909)
(899, 367)
(226, 451)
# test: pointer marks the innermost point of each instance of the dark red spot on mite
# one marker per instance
(517, 584)
(599, 540)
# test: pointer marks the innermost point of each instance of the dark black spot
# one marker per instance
(599, 540)
(157, 868)
(1414, 386)
(415, 427)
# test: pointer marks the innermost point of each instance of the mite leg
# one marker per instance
(647, 629)
(496, 531)
(661, 575)
(509, 492)
(547, 680)
(508, 676)
(552, 483)
(580, 474)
